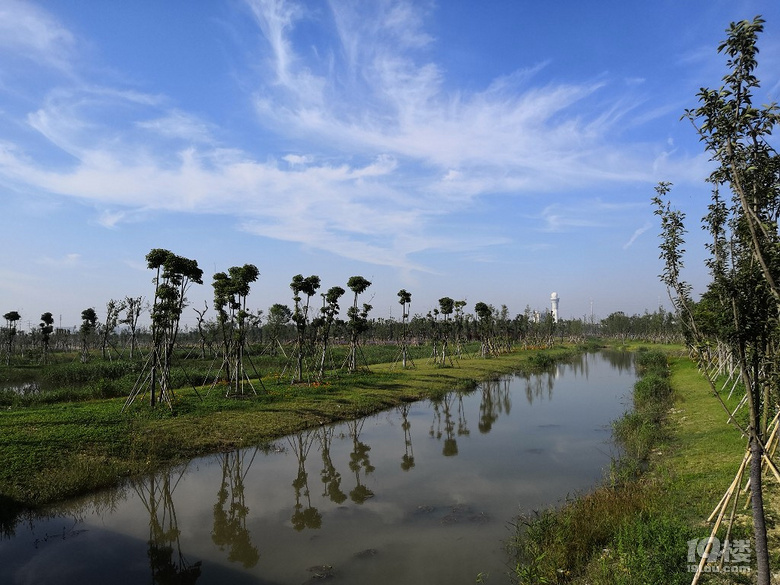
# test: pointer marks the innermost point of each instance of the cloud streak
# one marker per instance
(636, 234)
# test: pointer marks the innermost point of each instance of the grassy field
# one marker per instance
(64, 442)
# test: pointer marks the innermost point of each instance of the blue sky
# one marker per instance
(488, 151)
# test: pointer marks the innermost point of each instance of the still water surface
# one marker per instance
(422, 494)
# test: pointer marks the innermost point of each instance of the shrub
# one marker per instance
(542, 361)
(651, 388)
(652, 361)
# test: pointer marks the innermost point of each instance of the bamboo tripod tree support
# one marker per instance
(731, 497)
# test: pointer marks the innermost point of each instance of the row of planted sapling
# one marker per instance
(119, 333)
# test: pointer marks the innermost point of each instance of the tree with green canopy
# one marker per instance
(10, 331)
(358, 319)
(278, 317)
(113, 310)
(459, 326)
(231, 290)
(308, 287)
(405, 300)
(446, 308)
(328, 313)
(133, 307)
(485, 323)
(89, 323)
(740, 311)
(46, 327)
(173, 277)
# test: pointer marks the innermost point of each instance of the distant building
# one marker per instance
(554, 306)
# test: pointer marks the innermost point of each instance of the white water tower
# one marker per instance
(554, 305)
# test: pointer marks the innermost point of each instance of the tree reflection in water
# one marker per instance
(536, 384)
(358, 460)
(443, 406)
(463, 426)
(331, 478)
(435, 430)
(308, 517)
(450, 443)
(407, 461)
(230, 517)
(496, 399)
(622, 361)
(156, 494)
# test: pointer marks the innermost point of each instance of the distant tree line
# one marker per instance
(305, 330)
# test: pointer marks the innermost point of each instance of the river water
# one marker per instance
(423, 494)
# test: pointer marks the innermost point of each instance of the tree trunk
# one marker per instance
(759, 523)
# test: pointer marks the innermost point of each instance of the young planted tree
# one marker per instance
(89, 322)
(10, 332)
(329, 311)
(741, 308)
(278, 317)
(405, 300)
(446, 307)
(459, 326)
(432, 326)
(133, 307)
(173, 278)
(306, 286)
(358, 319)
(113, 310)
(202, 336)
(503, 324)
(46, 327)
(230, 294)
(485, 325)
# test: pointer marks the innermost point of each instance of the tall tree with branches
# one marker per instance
(485, 324)
(10, 331)
(113, 310)
(231, 290)
(328, 313)
(173, 277)
(46, 327)
(358, 319)
(133, 307)
(89, 323)
(741, 307)
(308, 287)
(446, 307)
(405, 300)
(459, 325)
(278, 318)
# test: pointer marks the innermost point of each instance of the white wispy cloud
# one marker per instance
(65, 261)
(385, 95)
(377, 145)
(178, 125)
(30, 33)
